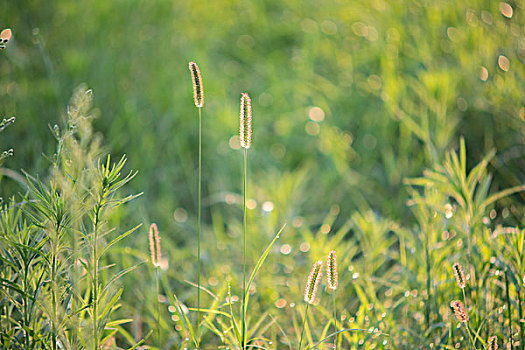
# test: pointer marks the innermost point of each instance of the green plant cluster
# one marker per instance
(362, 114)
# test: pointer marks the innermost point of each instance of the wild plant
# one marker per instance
(67, 218)
(246, 141)
(198, 97)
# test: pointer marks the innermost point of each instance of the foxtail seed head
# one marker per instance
(460, 275)
(459, 311)
(246, 121)
(5, 36)
(493, 343)
(331, 270)
(313, 282)
(154, 245)
(198, 92)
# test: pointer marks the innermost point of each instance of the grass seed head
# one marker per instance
(331, 270)
(459, 311)
(246, 121)
(313, 282)
(493, 343)
(460, 275)
(198, 92)
(5, 36)
(154, 245)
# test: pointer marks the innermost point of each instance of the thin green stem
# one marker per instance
(199, 230)
(243, 311)
(26, 316)
(335, 317)
(95, 279)
(509, 310)
(470, 337)
(304, 322)
(158, 305)
(473, 343)
(429, 286)
(54, 300)
(522, 330)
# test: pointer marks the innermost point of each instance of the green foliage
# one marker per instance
(362, 116)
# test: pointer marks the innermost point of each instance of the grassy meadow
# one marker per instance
(138, 210)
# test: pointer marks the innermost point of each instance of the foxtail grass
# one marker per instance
(310, 292)
(333, 280)
(198, 98)
(493, 343)
(154, 246)
(245, 132)
(462, 316)
(460, 275)
(5, 36)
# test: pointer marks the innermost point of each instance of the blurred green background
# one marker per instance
(349, 98)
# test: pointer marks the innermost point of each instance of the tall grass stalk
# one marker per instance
(199, 229)
(245, 139)
(333, 281)
(243, 312)
(154, 246)
(198, 97)
(157, 277)
(335, 317)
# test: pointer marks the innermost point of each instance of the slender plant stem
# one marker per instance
(304, 322)
(95, 279)
(472, 342)
(427, 304)
(26, 316)
(54, 298)
(243, 311)
(158, 305)
(335, 317)
(54, 284)
(199, 231)
(522, 330)
(509, 310)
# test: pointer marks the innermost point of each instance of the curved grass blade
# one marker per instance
(334, 334)
(259, 264)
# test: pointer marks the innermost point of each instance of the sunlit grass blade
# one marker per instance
(260, 262)
(232, 317)
(336, 333)
(182, 314)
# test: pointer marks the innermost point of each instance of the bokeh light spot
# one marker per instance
(180, 215)
(484, 74)
(503, 63)
(251, 204)
(280, 303)
(267, 206)
(304, 247)
(316, 114)
(286, 249)
(235, 142)
(506, 9)
(312, 128)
